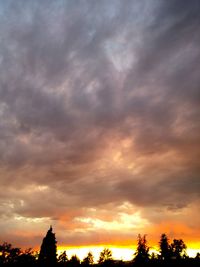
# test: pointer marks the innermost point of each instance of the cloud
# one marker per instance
(99, 106)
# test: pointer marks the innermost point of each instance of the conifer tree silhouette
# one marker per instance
(105, 257)
(48, 250)
(142, 251)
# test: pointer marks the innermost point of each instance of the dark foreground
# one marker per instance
(28, 262)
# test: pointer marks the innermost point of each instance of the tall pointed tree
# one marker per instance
(142, 251)
(48, 250)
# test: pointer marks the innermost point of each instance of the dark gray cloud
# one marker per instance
(99, 105)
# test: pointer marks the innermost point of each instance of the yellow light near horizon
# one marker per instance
(193, 249)
(192, 252)
(118, 253)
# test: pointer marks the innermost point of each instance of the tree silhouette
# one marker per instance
(27, 258)
(8, 254)
(62, 258)
(178, 248)
(5, 249)
(165, 248)
(197, 257)
(48, 251)
(88, 260)
(142, 251)
(105, 256)
(74, 261)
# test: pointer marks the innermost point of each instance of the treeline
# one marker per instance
(169, 254)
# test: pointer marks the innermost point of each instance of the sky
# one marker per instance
(99, 121)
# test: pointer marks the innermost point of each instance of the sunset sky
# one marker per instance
(99, 121)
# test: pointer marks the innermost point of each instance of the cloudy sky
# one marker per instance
(99, 120)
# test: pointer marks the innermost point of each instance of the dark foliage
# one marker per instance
(178, 249)
(10, 256)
